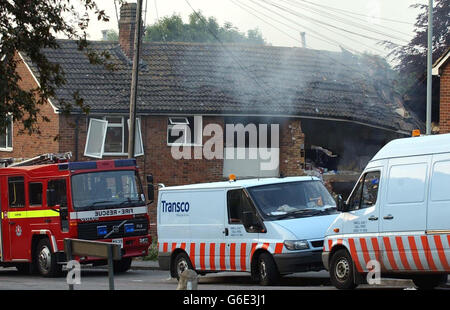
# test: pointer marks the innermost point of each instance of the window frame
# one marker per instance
(124, 120)
(29, 194)
(197, 126)
(8, 144)
(24, 193)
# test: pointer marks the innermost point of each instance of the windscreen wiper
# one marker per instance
(302, 211)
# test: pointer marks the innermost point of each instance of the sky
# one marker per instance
(356, 25)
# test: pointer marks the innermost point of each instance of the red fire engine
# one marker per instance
(41, 205)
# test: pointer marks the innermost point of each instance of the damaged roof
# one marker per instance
(198, 78)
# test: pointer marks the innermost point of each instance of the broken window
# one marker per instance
(111, 137)
(184, 130)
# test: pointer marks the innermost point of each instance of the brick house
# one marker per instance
(317, 98)
(442, 70)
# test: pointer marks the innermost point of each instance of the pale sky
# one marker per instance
(327, 23)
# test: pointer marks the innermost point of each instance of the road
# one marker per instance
(97, 279)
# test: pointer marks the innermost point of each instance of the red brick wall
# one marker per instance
(444, 118)
(25, 145)
(292, 145)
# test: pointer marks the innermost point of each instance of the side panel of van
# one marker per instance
(194, 222)
(405, 205)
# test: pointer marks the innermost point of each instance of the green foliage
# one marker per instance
(199, 29)
(28, 27)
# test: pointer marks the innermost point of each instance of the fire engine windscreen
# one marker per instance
(292, 200)
(96, 190)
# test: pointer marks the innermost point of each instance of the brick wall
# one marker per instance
(28, 146)
(444, 117)
(292, 145)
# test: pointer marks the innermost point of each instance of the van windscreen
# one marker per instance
(293, 199)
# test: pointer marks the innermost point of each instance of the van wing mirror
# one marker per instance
(341, 204)
(150, 192)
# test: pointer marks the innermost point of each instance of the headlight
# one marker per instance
(296, 245)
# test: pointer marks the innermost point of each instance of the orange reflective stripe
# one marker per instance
(390, 255)
(192, 254)
(232, 256)
(415, 253)
(376, 248)
(354, 255)
(402, 253)
(212, 256)
(165, 247)
(279, 248)
(426, 249)
(441, 253)
(222, 257)
(202, 256)
(364, 250)
(243, 256)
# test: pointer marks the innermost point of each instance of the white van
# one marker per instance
(267, 226)
(398, 217)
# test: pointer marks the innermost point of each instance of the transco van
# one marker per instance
(397, 219)
(268, 227)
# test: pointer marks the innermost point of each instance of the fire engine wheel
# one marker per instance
(45, 260)
(341, 270)
(181, 263)
(122, 265)
(267, 270)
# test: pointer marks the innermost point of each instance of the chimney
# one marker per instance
(127, 27)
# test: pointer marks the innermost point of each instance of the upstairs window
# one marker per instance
(184, 130)
(6, 137)
(108, 135)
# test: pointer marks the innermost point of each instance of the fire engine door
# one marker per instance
(17, 219)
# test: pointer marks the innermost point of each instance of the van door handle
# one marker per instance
(225, 231)
(373, 218)
(388, 217)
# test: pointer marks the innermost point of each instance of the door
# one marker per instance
(404, 213)
(241, 237)
(17, 219)
(362, 220)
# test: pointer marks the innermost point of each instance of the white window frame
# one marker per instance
(120, 125)
(8, 148)
(137, 136)
(198, 130)
(114, 125)
(88, 137)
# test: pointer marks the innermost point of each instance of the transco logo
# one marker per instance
(177, 207)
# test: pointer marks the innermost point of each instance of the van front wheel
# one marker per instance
(181, 263)
(341, 270)
(267, 269)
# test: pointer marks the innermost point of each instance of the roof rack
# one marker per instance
(43, 159)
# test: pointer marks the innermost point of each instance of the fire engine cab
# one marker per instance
(41, 205)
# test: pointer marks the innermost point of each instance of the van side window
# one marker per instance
(35, 194)
(238, 203)
(16, 192)
(60, 190)
(366, 193)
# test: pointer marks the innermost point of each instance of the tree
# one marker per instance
(412, 58)
(28, 27)
(199, 29)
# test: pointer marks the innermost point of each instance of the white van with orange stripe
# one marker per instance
(397, 217)
(264, 226)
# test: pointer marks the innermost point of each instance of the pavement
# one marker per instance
(139, 264)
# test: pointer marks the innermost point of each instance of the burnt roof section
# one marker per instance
(190, 78)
